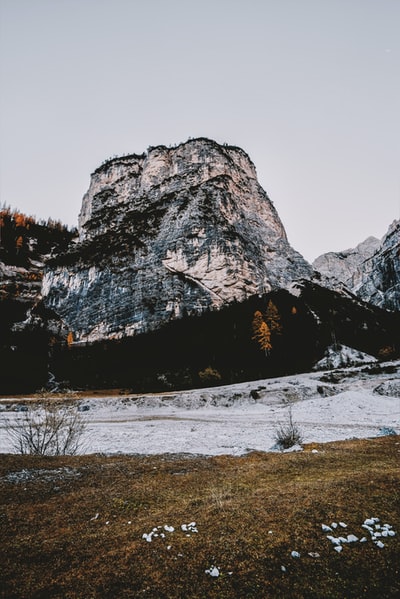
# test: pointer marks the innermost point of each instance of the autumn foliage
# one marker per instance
(261, 332)
(266, 325)
(22, 236)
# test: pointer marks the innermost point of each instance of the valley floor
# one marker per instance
(326, 406)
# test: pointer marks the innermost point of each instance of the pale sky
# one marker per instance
(310, 89)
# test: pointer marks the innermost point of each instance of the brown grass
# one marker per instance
(52, 547)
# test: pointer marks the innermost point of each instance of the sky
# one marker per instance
(310, 89)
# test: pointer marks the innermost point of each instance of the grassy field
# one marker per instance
(72, 527)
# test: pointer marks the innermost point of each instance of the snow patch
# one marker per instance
(230, 419)
(341, 356)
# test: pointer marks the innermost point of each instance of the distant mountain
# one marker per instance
(371, 270)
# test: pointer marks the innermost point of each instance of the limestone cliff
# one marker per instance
(371, 270)
(170, 232)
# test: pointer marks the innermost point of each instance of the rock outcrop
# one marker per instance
(25, 244)
(341, 266)
(27, 329)
(371, 270)
(171, 232)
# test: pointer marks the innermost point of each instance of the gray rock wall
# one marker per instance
(371, 270)
(175, 231)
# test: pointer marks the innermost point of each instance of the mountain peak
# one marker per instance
(168, 232)
(371, 270)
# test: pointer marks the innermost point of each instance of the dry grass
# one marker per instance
(53, 545)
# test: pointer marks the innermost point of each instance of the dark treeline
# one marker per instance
(190, 352)
(24, 237)
(214, 348)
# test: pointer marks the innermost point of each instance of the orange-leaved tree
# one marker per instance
(261, 332)
(273, 319)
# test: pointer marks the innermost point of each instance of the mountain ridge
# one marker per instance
(371, 270)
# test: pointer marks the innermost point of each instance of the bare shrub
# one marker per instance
(288, 435)
(52, 429)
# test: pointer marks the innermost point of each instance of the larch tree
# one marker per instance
(261, 332)
(273, 319)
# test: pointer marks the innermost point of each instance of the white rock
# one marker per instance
(213, 571)
(338, 548)
(283, 568)
(391, 533)
(169, 528)
(352, 538)
(334, 524)
(379, 544)
(326, 528)
(369, 521)
(342, 524)
(363, 540)
(333, 540)
(295, 554)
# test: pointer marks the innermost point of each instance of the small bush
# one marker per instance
(50, 430)
(387, 352)
(288, 435)
(209, 375)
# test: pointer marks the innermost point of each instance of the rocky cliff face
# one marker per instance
(171, 232)
(25, 244)
(371, 270)
(26, 328)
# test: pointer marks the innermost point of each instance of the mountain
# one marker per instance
(171, 232)
(371, 270)
(179, 263)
